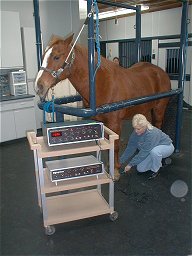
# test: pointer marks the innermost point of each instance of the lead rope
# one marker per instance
(85, 23)
(51, 103)
(94, 6)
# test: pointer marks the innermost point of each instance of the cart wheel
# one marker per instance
(49, 230)
(113, 216)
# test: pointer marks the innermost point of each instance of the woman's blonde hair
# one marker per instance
(141, 120)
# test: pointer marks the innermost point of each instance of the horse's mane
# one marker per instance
(54, 39)
(105, 63)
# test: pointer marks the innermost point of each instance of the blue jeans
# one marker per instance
(153, 160)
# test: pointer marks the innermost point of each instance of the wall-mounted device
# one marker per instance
(18, 82)
(72, 132)
(71, 168)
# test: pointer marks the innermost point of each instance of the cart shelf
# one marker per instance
(51, 187)
(38, 143)
(75, 206)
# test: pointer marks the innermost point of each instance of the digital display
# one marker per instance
(56, 134)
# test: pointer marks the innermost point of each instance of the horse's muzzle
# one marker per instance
(39, 89)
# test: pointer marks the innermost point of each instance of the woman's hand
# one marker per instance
(127, 168)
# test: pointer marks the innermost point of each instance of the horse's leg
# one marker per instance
(159, 112)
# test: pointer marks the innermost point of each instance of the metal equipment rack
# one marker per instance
(61, 203)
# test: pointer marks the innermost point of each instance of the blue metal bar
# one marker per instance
(182, 68)
(91, 63)
(73, 98)
(87, 112)
(38, 32)
(133, 102)
(59, 117)
(149, 38)
(138, 33)
(68, 99)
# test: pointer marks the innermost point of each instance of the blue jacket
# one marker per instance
(144, 143)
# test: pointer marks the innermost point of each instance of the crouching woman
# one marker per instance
(147, 146)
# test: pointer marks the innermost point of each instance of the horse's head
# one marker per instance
(54, 66)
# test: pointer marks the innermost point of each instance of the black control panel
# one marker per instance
(71, 168)
(58, 134)
(76, 172)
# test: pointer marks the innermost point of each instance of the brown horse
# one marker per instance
(113, 84)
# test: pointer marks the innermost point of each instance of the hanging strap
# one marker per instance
(46, 108)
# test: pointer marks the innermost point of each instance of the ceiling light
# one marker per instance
(118, 12)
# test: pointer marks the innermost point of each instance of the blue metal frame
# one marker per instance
(92, 111)
(88, 112)
(91, 45)
(38, 32)
(149, 38)
(182, 69)
(138, 33)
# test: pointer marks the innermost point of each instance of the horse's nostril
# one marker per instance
(40, 87)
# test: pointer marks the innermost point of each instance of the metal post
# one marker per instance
(91, 62)
(182, 67)
(138, 33)
(38, 32)
(59, 117)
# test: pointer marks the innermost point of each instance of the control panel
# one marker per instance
(74, 168)
(72, 132)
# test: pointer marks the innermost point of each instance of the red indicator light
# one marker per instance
(56, 134)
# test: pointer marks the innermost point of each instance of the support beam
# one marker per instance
(138, 32)
(91, 62)
(182, 68)
(38, 32)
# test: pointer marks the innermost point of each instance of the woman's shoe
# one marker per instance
(153, 175)
(166, 161)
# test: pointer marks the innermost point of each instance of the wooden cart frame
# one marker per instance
(87, 203)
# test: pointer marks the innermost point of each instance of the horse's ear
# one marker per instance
(69, 39)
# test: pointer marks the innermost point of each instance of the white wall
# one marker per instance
(25, 9)
(59, 17)
(161, 23)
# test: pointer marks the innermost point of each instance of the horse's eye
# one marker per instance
(56, 57)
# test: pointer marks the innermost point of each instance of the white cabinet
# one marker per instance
(7, 128)
(17, 117)
(11, 46)
(38, 111)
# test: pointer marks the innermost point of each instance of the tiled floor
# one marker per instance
(154, 215)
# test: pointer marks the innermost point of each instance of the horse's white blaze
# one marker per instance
(44, 65)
